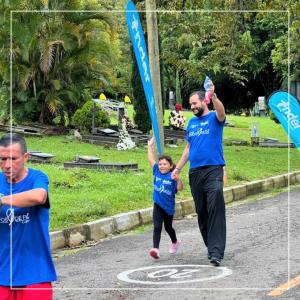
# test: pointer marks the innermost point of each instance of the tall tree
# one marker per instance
(58, 58)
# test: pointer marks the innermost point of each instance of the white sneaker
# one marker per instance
(154, 253)
(174, 247)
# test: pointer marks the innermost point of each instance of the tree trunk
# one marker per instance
(153, 50)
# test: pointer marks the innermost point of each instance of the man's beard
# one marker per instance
(198, 112)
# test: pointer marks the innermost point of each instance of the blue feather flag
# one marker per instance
(139, 47)
(286, 108)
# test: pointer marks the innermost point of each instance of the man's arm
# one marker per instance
(219, 107)
(25, 199)
(183, 160)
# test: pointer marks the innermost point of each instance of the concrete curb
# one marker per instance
(96, 230)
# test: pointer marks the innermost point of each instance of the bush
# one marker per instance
(82, 119)
(273, 117)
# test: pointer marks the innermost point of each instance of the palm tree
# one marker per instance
(58, 58)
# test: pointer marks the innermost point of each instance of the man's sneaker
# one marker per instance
(174, 246)
(154, 253)
(215, 261)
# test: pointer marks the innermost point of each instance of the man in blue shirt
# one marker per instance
(26, 265)
(205, 152)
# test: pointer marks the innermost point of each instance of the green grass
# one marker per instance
(242, 128)
(80, 195)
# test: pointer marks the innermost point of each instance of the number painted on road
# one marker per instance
(185, 273)
(174, 274)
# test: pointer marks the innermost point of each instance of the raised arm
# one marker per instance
(151, 158)
(219, 107)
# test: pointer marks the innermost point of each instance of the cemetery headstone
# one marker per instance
(254, 134)
(262, 106)
(171, 100)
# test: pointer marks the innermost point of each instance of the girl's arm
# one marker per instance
(151, 158)
(179, 184)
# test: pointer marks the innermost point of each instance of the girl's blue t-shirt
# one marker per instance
(164, 190)
(30, 254)
(204, 136)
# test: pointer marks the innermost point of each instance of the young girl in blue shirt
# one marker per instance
(164, 190)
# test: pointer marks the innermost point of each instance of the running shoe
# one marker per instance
(154, 253)
(215, 261)
(174, 247)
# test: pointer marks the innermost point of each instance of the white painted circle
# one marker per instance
(175, 273)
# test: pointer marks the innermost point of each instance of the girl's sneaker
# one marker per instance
(154, 253)
(174, 247)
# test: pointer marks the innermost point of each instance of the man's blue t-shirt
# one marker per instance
(30, 254)
(204, 135)
(164, 190)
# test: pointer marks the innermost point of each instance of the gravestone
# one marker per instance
(262, 106)
(107, 131)
(254, 134)
(86, 159)
(171, 100)
(40, 157)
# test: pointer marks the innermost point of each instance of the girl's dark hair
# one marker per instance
(168, 159)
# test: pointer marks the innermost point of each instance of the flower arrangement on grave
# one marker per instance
(128, 123)
(125, 141)
(176, 118)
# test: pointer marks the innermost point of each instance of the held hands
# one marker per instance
(175, 174)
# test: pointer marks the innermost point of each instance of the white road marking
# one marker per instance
(175, 273)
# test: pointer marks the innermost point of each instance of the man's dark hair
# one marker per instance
(200, 94)
(13, 138)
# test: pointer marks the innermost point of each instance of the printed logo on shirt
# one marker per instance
(199, 132)
(168, 182)
(10, 218)
(162, 189)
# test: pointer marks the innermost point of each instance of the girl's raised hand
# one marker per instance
(151, 142)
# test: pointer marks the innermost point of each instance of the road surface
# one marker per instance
(262, 254)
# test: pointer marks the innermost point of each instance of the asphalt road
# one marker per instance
(262, 253)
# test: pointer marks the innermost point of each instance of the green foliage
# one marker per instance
(273, 117)
(59, 56)
(4, 105)
(82, 118)
(56, 57)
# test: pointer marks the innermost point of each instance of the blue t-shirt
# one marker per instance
(31, 257)
(164, 190)
(204, 135)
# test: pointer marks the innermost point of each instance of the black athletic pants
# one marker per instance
(160, 217)
(207, 190)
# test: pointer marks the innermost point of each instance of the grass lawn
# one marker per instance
(80, 195)
(242, 129)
